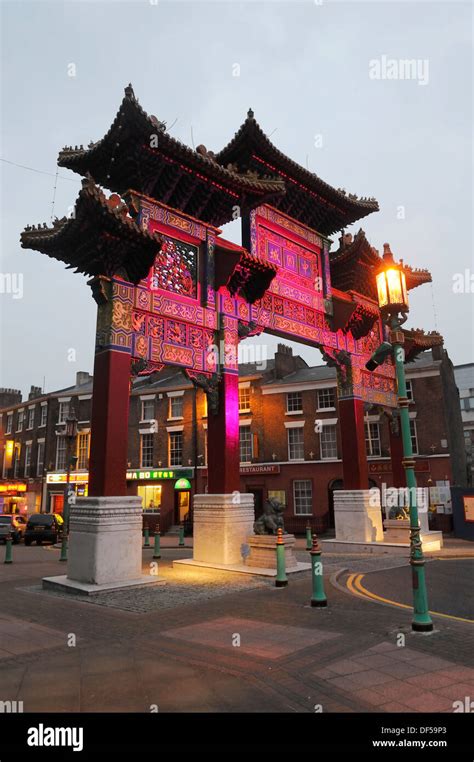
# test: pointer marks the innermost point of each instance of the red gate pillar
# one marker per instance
(396, 457)
(223, 439)
(109, 429)
(354, 459)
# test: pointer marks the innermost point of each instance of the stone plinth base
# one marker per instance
(397, 531)
(222, 524)
(63, 584)
(357, 515)
(105, 546)
(241, 568)
(263, 551)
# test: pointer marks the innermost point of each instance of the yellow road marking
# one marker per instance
(354, 585)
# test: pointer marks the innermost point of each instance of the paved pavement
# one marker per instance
(221, 642)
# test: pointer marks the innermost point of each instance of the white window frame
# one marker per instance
(144, 401)
(142, 435)
(369, 439)
(310, 496)
(83, 436)
(171, 435)
(171, 401)
(40, 460)
(63, 410)
(20, 420)
(43, 414)
(326, 391)
(247, 429)
(9, 423)
(290, 444)
(295, 411)
(27, 464)
(61, 449)
(244, 391)
(30, 422)
(332, 427)
(414, 437)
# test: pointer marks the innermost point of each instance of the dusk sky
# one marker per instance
(307, 70)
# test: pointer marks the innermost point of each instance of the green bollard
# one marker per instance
(318, 597)
(147, 537)
(8, 550)
(281, 578)
(181, 536)
(156, 549)
(309, 540)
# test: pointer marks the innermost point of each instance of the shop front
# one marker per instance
(166, 495)
(13, 497)
(55, 486)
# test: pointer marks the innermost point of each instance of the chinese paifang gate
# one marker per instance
(170, 290)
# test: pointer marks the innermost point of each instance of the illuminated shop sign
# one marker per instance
(81, 478)
(183, 473)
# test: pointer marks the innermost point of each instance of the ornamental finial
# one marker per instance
(129, 91)
(250, 114)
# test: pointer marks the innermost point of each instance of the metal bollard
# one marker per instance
(181, 536)
(281, 578)
(318, 597)
(157, 549)
(309, 539)
(146, 532)
(8, 549)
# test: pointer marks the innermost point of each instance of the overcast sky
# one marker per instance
(307, 69)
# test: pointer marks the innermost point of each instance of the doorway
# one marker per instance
(181, 508)
(257, 493)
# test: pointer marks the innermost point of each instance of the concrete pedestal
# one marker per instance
(263, 551)
(397, 531)
(223, 526)
(105, 546)
(357, 516)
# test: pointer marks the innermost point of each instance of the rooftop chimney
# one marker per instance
(82, 378)
(35, 391)
(9, 397)
(285, 363)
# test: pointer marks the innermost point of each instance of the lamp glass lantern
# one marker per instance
(71, 425)
(391, 284)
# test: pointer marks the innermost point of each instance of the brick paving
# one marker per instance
(221, 642)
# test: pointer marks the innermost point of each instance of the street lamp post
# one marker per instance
(393, 303)
(70, 434)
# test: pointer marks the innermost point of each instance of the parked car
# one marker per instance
(14, 524)
(42, 527)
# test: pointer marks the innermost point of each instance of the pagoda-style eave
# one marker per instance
(250, 143)
(138, 152)
(417, 341)
(100, 238)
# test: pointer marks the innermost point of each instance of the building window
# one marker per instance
(176, 407)
(295, 444)
(409, 390)
(31, 418)
(294, 402)
(16, 463)
(40, 459)
(146, 450)
(245, 444)
(148, 410)
(21, 416)
(328, 439)
(44, 414)
(83, 451)
(326, 399)
(303, 497)
(9, 424)
(372, 439)
(244, 399)
(278, 494)
(60, 453)
(176, 448)
(63, 412)
(27, 460)
(414, 437)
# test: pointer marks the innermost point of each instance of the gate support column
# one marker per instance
(354, 460)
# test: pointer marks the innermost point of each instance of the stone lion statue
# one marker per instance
(271, 519)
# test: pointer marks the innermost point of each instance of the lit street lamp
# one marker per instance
(70, 434)
(393, 303)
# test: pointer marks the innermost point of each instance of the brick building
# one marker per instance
(290, 444)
